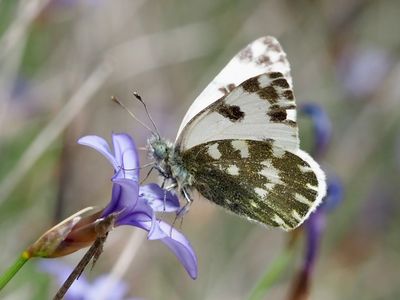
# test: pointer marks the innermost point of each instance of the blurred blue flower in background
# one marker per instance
(82, 289)
(322, 127)
(137, 205)
(355, 66)
(315, 225)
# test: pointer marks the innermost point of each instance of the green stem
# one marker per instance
(273, 274)
(13, 269)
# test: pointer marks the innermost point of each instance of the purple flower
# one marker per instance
(355, 66)
(137, 205)
(315, 225)
(314, 228)
(82, 289)
(322, 127)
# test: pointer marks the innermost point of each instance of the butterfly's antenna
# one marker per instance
(113, 98)
(139, 98)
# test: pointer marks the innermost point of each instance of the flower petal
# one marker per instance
(124, 197)
(334, 194)
(101, 145)
(126, 156)
(322, 126)
(154, 195)
(315, 226)
(143, 217)
(139, 216)
(181, 247)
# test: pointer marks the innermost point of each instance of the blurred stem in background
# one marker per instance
(276, 270)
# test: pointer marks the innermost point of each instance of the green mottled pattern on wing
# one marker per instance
(254, 179)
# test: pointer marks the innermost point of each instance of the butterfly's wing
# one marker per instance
(242, 146)
(264, 55)
(261, 108)
(257, 180)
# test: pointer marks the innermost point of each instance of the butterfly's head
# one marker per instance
(159, 148)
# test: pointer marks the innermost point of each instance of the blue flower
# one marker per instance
(322, 127)
(354, 66)
(315, 225)
(137, 205)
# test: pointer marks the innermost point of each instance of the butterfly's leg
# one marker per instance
(189, 201)
(162, 172)
(170, 187)
(181, 212)
(163, 183)
(166, 189)
(148, 174)
(187, 195)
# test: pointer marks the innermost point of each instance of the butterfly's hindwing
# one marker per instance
(254, 179)
(262, 107)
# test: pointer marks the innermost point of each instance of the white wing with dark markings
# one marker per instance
(261, 108)
(264, 55)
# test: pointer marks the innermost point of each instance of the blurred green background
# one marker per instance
(61, 60)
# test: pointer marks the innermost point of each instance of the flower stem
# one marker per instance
(273, 274)
(13, 269)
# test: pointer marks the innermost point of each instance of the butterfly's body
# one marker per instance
(169, 164)
(238, 144)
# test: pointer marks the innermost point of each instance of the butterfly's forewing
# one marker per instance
(257, 180)
(261, 108)
(264, 55)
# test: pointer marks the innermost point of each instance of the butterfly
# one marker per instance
(238, 144)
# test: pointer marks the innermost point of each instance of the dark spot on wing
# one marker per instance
(277, 115)
(246, 54)
(281, 82)
(288, 94)
(263, 60)
(272, 44)
(227, 89)
(223, 90)
(291, 123)
(274, 75)
(269, 93)
(230, 87)
(251, 85)
(232, 112)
